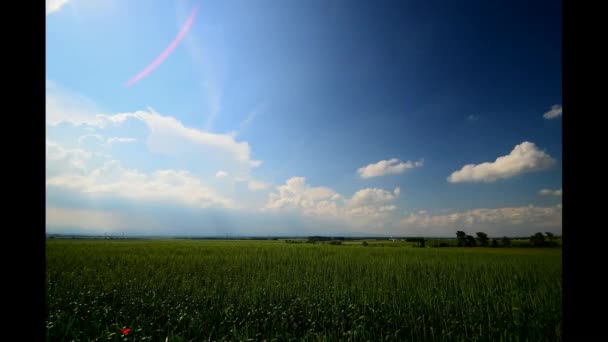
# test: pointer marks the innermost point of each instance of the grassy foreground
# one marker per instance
(269, 290)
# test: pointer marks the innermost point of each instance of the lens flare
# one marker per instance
(182, 33)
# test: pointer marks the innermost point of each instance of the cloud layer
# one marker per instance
(370, 207)
(515, 221)
(525, 157)
(166, 134)
(549, 192)
(387, 167)
(73, 169)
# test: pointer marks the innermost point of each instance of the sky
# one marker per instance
(334, 117)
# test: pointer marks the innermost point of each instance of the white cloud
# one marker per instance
(556, 110)
(112, 140)
(81, 139)
(367, 208)
(525, 157)
(254, 185)
(522, 221)
(167, 135)
(255, 163)
(70, 171)
(371, 196)
(297, 194)
(163, 185)
(59, 158)
(549, 192)
(387, 167)
(221, 174)
(53, 6)
(166, 127)
(89, 220)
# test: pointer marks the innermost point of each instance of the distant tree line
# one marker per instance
(482, 240)
(420, 242)
(536, 240)
(540, 240)
(325, 239)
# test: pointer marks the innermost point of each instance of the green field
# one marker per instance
(187, 290)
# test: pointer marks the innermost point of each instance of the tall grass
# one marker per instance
(249, 290)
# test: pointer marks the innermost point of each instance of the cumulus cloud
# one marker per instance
(549, 192)
(53, 6)
(70, 170)
(167, 135)
(556, 110)
(59, 157)
(525, 157)
(297, 194)
(254, 185)
(164, 185)
(221, 174)
(387, 167)
(82, 138)
(113, 140)
(522, 221)
(372, 196)
(370, 207)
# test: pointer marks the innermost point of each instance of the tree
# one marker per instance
(482, 238)
(421, 242)
(494, 243)
(365, 243)
(506, 242)
(537, 240)
(470, 241)
(550, 236)
(461, 236)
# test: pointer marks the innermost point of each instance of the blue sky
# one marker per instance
(299, 118)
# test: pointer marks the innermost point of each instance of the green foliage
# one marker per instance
(442, 243)
(462, 237)
(199, 290)
(365, 243)
(494, 243)
(482, 238)
(538, 240)
(506, 242)
(419, 242)
(470, 241)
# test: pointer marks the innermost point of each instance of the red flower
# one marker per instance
(125, 331)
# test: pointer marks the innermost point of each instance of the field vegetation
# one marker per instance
(195, 290)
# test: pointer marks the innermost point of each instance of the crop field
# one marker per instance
(198, 290)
